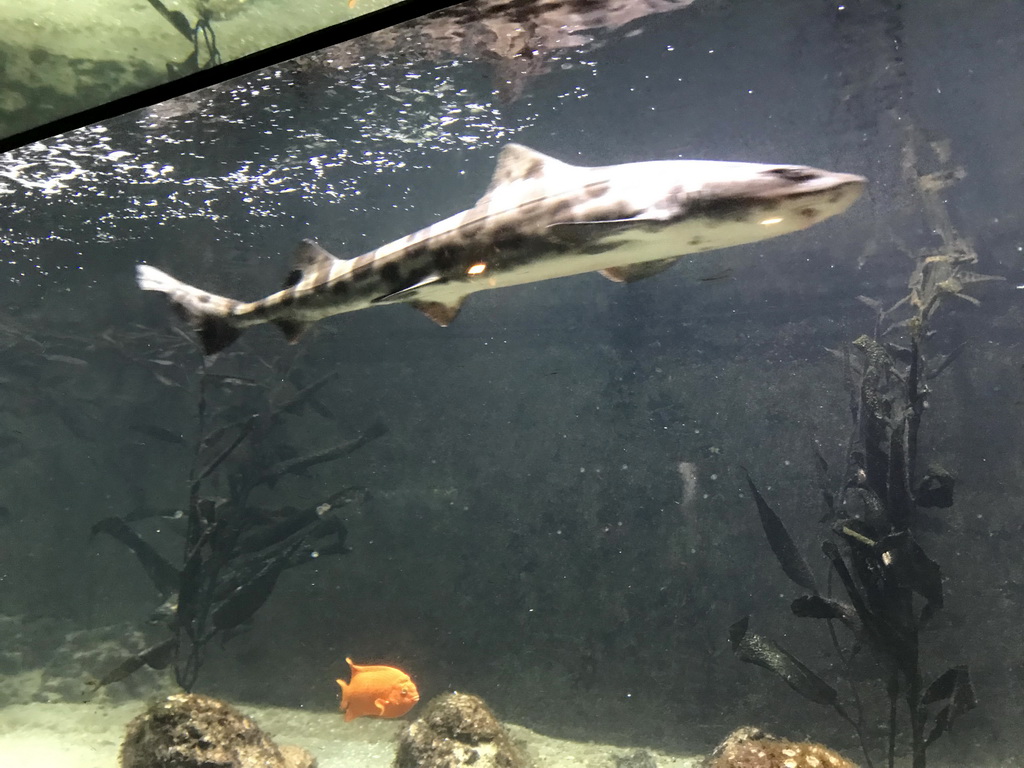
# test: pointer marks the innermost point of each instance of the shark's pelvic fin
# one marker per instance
(519, 163)
(630, 273)
(441, 313)
(309, 259)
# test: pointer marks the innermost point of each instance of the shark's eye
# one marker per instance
(794, 174)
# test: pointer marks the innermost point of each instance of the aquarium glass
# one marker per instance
(650, 370)
(65, 58)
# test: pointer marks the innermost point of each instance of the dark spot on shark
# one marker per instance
(795, 174)
(293, 278)
(696, 240)
(727, 209)
(809, 213)
(604, 246)
(391, 273)
(597, 189)
(443, 261)
(507, 236)
(203, 298)
(534, 170)
(559, 211)
(340, 286)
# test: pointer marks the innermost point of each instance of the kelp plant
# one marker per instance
(234, 551)
(892, 588)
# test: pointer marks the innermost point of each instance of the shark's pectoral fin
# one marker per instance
(441, 313)
(292, 329)
(630, 273)
(309, 260)
(407, 292)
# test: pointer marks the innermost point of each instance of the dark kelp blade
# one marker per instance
(793, 563)
(818, 607)
(239, 605)
(954, 687)
(755, 649)
(860, 607)
(912, 568)
(165, 577)
(155, 657)
(828, 502)
(936, 489)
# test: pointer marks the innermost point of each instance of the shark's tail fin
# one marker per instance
(208, 314)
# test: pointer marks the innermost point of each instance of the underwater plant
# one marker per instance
(892, 590)
(234, 551)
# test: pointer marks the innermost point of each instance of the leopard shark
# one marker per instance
(539, 219)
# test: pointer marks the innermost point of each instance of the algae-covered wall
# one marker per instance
(63, 58)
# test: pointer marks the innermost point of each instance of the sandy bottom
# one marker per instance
(89, 736)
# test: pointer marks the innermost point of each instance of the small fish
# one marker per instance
(688, 474)
(377, 691)
(724, 274)
(66, 359)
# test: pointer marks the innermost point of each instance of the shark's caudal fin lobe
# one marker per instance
(441, 313)
(309, 261)
(208, 314)
(633, 272)
(519, 163)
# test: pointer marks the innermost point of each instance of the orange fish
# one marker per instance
(377, 692)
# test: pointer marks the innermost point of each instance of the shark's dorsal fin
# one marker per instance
(441, 313)
(309, 260)
(519, 163)
(630, 273)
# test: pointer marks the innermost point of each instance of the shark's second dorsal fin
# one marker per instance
(309, 260)
(519, 163)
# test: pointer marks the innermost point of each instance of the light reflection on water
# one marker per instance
(255, 141)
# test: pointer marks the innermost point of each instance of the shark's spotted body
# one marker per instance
(539, 219)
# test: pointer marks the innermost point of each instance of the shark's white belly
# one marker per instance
(623, 248)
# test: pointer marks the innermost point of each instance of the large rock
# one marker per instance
(455, 730)
(750, 747)
(187, 730)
